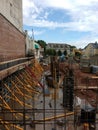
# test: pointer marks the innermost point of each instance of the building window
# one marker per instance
(10, 4)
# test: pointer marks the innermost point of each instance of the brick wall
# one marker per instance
(12, 41)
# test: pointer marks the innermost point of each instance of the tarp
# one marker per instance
(46, 89)
(86, 106)
(83, 104)
(94, 69)
(36, 46)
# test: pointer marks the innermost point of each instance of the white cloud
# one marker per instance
(83, 15)
(83, 41)
(30, 10)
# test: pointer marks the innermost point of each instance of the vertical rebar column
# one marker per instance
(13, 91)
(68, 91)
(33, 112)
(96, 104)
(24, 111)
(33, 98)
(54, 70)
(2, 105)
(64, 100)
(57, 70)
(68, 88)
(43, 89)
(44, 107)
(3, 97)
(55, 96)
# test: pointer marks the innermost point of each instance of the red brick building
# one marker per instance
(12, 41)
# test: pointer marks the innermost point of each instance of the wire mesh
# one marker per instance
(25, 106)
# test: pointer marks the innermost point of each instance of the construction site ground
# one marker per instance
(50, 109)
(41, 106)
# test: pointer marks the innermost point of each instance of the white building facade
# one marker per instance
(12, 10)
(59, 46)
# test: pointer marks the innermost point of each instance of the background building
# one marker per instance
(91, 49)
(59, 46)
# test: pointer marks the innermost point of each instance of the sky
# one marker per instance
(73, 22)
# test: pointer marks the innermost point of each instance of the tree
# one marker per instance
(51, 52)
(65, 52)
(48, 52)
(54, 52)
(72, 47)
(78, 54)
(43, 45)
(96, 42)
(59, 53)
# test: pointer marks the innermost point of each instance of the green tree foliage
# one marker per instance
(65, 52)
(51, 52)
(59, 53)
(77, 54)
(54, 52)
(72, 47)
(43, 45)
